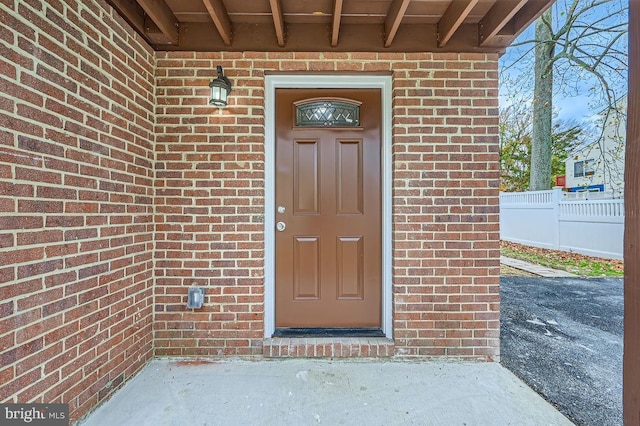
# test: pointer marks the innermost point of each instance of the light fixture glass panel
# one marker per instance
(220, 88)
(218, 96)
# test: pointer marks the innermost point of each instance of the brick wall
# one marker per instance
(210, 199)
(76, 202)
(446, 232)
(209, 205)
(98, 157)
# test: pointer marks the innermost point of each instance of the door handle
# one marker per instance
(281, 226)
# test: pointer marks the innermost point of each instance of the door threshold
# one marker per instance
(328, 347)
(328, 332)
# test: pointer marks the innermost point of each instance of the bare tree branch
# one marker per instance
(584, 41)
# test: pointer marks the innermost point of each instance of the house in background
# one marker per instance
(350, 185)
(599, 166)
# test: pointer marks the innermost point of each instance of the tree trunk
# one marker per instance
(540, 178)
(631, 381)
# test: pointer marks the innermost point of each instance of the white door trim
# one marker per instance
(314, 81)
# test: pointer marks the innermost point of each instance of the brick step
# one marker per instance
(328, 347)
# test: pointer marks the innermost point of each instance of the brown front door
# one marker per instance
(328, 200)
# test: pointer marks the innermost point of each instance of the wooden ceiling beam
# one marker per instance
(394, 17)
(135, 15)
(357, 30)
(525, 17)
(220, 18)
(304, 37)
(335, 25)
(278, 20)
(131, 11)
(163, 17)
(497, 17)
(454, 16)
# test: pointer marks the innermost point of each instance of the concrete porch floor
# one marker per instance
(311, 392)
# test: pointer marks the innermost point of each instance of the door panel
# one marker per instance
(350, 273)
(349, 177)
(306, 178)
(306, 267)
(328, 186)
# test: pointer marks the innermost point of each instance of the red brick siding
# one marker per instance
(446, 235)
(76, 202)
(210, 198)
(209, 205)
(83, 159)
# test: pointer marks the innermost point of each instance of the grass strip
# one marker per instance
(584, 267)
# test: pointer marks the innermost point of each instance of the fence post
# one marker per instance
(556, 196)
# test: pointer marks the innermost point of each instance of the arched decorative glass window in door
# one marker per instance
(327, 112)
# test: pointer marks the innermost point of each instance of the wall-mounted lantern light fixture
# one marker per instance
(220, 88)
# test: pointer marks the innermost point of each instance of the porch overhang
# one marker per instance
(481, 26)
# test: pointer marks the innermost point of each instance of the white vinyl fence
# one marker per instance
(544, 219)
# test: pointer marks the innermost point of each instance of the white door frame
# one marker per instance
(315, 81)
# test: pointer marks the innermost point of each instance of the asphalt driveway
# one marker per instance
(563, 337)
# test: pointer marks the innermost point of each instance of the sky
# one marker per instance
(574, 104)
